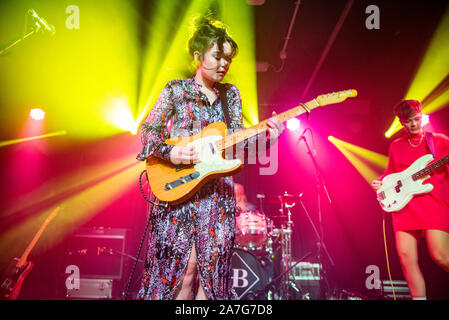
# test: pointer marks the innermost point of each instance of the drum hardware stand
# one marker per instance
(320, 244)
(286, 240)
(260, 197)
(285, 234)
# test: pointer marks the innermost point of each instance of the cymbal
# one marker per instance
(284, 198)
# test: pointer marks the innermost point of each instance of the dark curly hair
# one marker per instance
(209, 31)
(407, 108)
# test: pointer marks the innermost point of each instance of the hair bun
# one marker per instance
(206, 22)
(206, 30)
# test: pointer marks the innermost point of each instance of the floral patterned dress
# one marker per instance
(207, 220)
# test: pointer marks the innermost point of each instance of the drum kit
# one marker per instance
(262, 262)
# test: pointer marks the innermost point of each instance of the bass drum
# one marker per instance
(251, 275)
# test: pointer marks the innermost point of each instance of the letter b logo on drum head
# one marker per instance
(239, 278)
(246, 272)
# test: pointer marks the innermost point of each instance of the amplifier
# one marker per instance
(307, 276)
(401, 290)
(97, 253)
(307, 271)
(91, 289)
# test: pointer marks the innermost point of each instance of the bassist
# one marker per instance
(425, 215)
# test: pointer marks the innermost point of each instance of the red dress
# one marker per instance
(431, 210)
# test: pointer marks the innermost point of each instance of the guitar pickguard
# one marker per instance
(210, 157)
(399, 188)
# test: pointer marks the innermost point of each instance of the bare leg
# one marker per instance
(407, 247)
(438, 245)
(201, 295)
(185, 287)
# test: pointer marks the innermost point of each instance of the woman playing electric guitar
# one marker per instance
(190, 244)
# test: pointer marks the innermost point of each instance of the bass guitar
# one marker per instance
(176, 183)
(399, 188)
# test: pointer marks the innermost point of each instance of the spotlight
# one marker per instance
(425, 119)
(119, 114)
(37, 114)
(293, 124)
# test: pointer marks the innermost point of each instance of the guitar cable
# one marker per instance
(145, 196)
(386, 255)
(125, 293)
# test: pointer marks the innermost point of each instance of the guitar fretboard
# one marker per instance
(427, 170)
(262, 126)
(324, 99)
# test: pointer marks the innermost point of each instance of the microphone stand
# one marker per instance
(321, 245)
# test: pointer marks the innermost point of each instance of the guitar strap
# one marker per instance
(224, 103)
(430, 143)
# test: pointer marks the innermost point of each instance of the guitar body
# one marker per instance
(399, 188)
(12, 280)
(175, 184)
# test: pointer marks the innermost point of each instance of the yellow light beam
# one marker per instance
(176, 60)
(74, 212)
(434, 66)
(69, 182)
(360, 158)
(80, 70)
(43, 136)
(431, 74)
(376, 158)
(240, 19)
(158, 37)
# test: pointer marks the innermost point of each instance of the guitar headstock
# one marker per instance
(336, 97)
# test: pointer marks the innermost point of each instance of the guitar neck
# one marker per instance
(23, 259)
(427, 170)
(262, 126)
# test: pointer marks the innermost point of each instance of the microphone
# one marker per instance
(302, 134)
(302, 137)
(260, 196)
(42, 22)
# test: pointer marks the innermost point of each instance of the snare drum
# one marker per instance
(252, 231)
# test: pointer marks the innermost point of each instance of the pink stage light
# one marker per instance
(37, 114)
(293, 124)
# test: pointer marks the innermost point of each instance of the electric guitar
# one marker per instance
(176, 183)
(399, 188)
(19, 268)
